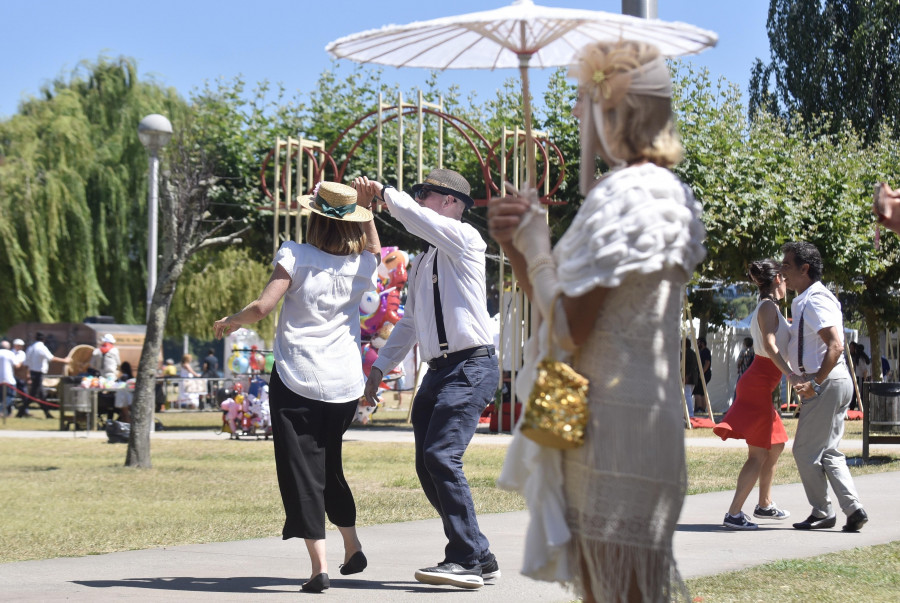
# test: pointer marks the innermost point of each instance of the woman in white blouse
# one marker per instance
(603, 515)
(318, 379)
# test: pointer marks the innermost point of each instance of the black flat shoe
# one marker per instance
(355, 564)
(816, 523)
(317, 584)
(856, 521)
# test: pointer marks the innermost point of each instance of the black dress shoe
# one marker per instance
(317, 584)
(816, 523)
(355, 564)
(856, 521)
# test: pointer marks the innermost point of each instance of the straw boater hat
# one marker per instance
(447, 182)
(337, 201)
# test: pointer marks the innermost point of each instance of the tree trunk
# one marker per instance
(145, 385)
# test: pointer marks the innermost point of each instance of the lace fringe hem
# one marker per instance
(625, 573)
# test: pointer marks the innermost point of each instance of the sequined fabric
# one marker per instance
(557, 410)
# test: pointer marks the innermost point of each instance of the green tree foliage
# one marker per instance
(833, 57)
(764, 181)
(218, 283)
(73, 196)
(238, 128)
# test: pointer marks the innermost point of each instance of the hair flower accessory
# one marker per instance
(602, 82)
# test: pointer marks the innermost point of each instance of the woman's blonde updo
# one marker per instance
(638, 126)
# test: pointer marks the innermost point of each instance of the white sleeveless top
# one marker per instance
(782, 333)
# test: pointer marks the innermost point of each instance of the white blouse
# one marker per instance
(318, 334)
(782, 334)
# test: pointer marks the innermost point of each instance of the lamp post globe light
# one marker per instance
(154, 131)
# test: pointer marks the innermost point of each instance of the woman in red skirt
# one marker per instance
(752, 417)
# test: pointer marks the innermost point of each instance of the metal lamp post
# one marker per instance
(640, 8)
(154, 131)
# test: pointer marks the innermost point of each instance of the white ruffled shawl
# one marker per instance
(638, 219)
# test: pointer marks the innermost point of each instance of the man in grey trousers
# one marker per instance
(825, 387)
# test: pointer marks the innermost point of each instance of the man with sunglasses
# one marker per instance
(446, 315)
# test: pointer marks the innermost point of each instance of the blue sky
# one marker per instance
(183, 43)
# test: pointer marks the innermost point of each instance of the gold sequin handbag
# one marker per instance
(556, 414)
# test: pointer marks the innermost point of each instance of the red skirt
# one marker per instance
(752, 417)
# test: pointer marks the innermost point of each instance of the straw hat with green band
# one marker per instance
(447, 182)
(336, 201)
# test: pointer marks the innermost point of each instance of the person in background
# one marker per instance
(105, 362)
(8, 367)
(105, 358)
(38, 358)
(701, 404)
(603, 515)
(20, 372)
(186, 371)
(745, 359)
(125, 395)
(317, 381)
(210, 365)
(170, 370)
(861, 365)
(752, 417)
(825, 388)
(691, 375)
(187, 396)
(210, 372)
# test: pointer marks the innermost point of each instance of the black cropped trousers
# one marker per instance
(308, 436)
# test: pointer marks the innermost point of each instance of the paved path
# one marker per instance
(271, 569)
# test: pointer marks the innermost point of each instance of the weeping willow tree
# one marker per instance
(73, 196)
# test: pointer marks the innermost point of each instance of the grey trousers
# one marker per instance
(819, 432)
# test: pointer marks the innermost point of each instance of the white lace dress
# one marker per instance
(611, 506)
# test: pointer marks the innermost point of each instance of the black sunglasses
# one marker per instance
(423, 192)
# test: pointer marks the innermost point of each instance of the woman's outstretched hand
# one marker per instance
(222, 327)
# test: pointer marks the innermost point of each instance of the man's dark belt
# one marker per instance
(454, 358)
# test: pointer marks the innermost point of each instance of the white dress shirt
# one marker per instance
(461, 274)
(38, 357)
(821, 310)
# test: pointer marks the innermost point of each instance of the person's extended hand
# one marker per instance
(505, 214)
(886, 207)
(372, 383)
(805, 390)
(532, 235)
(223, 327)
(367, 191)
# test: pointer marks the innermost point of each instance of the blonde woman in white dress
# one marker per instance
(603, 515)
